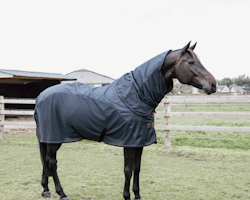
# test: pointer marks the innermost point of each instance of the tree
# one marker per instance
(182, 88)
(225, 81)
(240, 80)
(230, 87)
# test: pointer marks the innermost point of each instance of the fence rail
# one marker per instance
(17, 101)
(16, 112)
(207, 99)
(19, 123)
(203, 128)
(166, 114)
(204, 114)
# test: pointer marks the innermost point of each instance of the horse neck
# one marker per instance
(168, 67)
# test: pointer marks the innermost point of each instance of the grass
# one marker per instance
(208, 139)
(90, 170)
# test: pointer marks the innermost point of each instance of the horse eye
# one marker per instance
(190, 62)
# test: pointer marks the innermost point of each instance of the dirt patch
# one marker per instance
(13, 130)
(191, 156)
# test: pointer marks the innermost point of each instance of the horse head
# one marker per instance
(185, 65)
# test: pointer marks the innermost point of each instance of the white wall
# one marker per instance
(89, 78)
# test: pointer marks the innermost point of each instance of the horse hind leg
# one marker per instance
(45, 175)
(52, 163)
(45, 181)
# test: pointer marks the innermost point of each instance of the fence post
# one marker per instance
(1, 117)
(167, 109)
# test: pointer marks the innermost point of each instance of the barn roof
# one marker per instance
(221, 87)
(239, 89)
(85, 70)
(5, 73)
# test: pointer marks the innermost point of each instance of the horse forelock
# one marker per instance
(193, 55)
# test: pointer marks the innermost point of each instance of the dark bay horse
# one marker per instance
(182, 64)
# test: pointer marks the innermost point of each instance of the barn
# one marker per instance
(27, 84)
(89, 77)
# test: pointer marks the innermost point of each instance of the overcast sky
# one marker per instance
(114, 37)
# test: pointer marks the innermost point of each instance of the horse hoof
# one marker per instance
(46, 194)
(138, 199)
(64, 198)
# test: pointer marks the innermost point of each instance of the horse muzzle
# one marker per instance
(210, 89)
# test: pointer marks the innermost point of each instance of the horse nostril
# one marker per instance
(214, 85)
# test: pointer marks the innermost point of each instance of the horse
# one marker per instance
(137, 94)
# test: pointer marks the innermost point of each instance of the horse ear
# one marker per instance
(192, 47)
(184, 49)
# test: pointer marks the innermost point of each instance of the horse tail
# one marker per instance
(43, 153)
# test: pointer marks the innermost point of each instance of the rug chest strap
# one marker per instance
(104, 130)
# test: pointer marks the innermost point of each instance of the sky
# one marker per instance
(114, 37)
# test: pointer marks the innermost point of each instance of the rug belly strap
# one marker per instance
(104, 130)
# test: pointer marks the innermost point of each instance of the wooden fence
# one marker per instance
(166, 114)
(201, 100)
(4, 112)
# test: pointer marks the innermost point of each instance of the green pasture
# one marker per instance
(198, 166)
(208, 139)
(91, 170)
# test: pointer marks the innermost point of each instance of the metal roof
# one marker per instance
(85, 70)
(36, 75)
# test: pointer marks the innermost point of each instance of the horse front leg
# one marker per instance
(137, 168)
(129, 155)
(45, 181)
(51, 157)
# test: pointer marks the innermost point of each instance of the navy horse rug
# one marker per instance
(120, 114)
